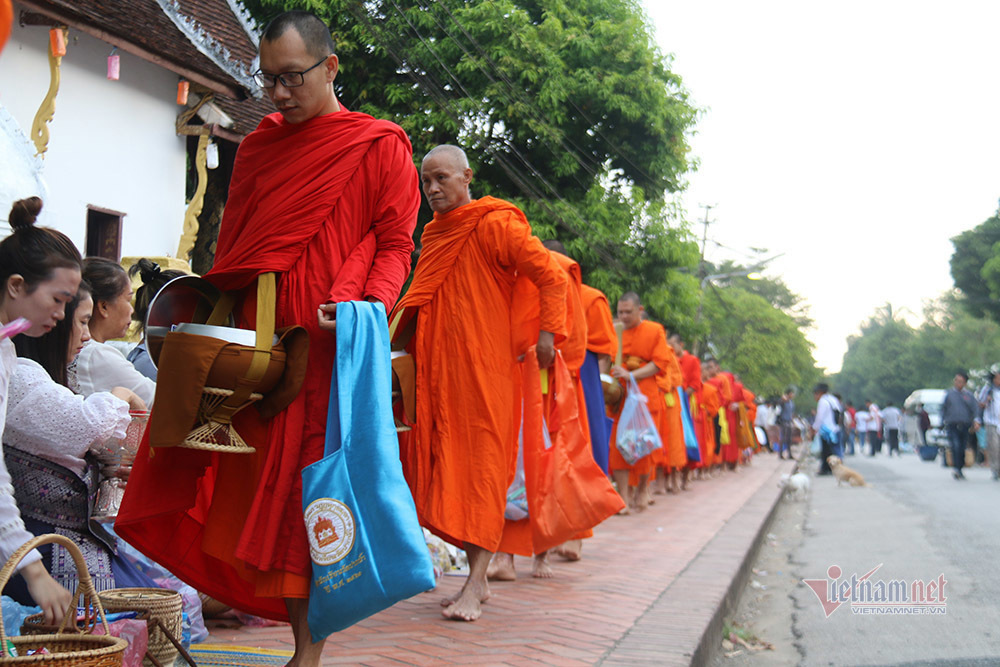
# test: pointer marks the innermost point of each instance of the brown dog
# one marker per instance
(843, 473)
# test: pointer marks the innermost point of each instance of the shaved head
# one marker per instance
(555, 246)
(449, 152)
(631, 297)
(311, 28)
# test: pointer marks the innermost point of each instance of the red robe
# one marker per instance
(460, 457)
(724, 385)
(330, 204)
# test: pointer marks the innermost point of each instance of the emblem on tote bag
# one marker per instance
(330, 526)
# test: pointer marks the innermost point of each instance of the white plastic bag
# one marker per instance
(637, 435)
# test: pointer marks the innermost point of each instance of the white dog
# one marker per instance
(797, 486)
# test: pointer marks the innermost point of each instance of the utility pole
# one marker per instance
(704, 239)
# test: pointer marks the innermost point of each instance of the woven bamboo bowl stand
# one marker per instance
(163, 605)
(70, 646)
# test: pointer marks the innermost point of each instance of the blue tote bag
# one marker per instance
(690, 439)
(367, 548)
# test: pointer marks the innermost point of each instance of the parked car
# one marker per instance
(932, 401)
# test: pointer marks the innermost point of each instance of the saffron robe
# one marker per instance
(708, 408)
(722, 383)
(460, 457)
(691, 380)
(648, 341)
(330, 205)
(601, 336)
(601, 339)
(673, 455)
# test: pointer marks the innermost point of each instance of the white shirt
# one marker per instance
(875, 424)
(12, 531)
(990, 395)
(862, 417)
(48, 420)
(891, 417)
(102, 367)
(824, 413)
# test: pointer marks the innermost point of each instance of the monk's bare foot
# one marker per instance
(468, 605)
(570, 550)
(658, 491)
(501, 568)
(625, 511)
(541, 569)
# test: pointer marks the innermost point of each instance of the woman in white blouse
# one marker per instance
(39, 274)
(48, 440)
(99, 366)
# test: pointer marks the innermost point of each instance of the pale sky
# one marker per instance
(855, 137)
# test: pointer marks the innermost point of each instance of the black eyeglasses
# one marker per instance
(287, 79)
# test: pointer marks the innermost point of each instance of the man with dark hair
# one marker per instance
(958, 414)
(826, 424)
(786, 417)
(892, 419)
(327, 199)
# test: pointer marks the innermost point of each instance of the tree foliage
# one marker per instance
(975, 268)
(761, 343)
(890, 359)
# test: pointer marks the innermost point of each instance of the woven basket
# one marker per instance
(67, 647)
(162, 605)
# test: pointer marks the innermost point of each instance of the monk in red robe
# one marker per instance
(691, 378)
(326, 198)
(646, 356)
(461, 458)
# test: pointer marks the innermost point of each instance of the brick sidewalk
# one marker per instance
(648, 591)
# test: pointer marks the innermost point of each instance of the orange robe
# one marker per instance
(601, 336)
(571, 341)
(749, 400)
(460, 457)
(674, 452)
(648, 341)
(730, 450)
(691, 374)
(708, 408)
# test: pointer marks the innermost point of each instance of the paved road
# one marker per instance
(919, 523)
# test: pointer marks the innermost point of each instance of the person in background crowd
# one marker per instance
(153, 280)
(101, 367)
(989, 415)
(850, 426)
(874, 427)
(786, 417)
(923, 422)
(862, 419)
(958, 414)
(892, 418)
(826, 424)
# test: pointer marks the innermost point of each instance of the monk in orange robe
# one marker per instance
(691, 377)
(572, 344)
(724, 384)
(326, 198)
(672, 459)
(461, 457)
(709, 407)
(602, 345)
(645, 355)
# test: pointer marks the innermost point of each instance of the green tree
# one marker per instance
(975, 268)
(761, 343)
(877, 365)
